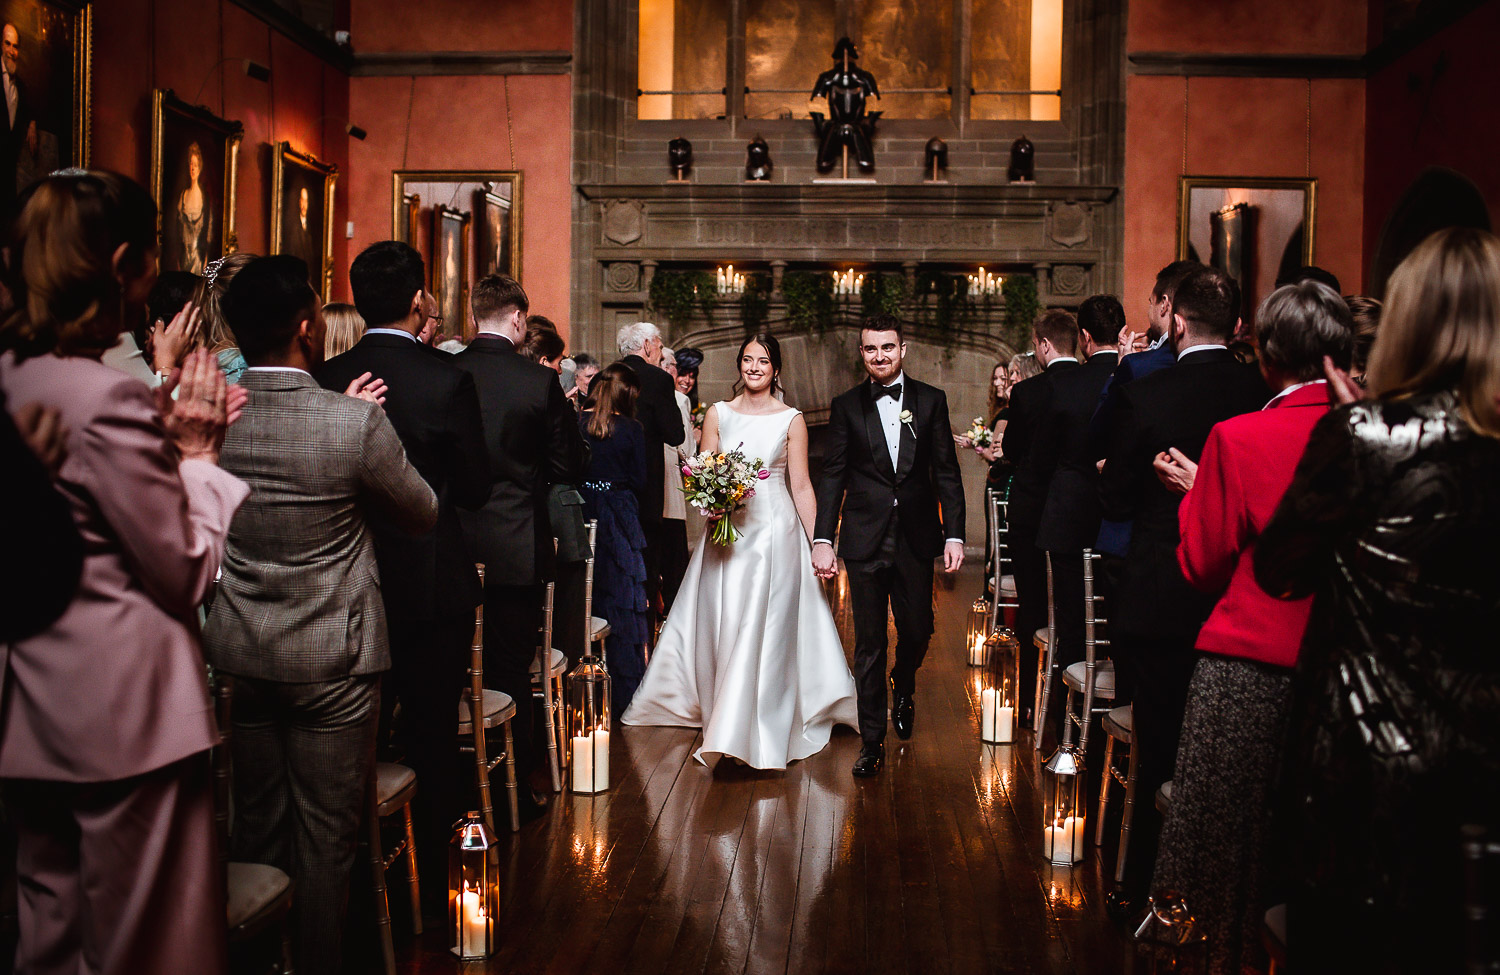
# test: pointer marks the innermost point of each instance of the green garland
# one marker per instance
(676, 294)
(755, 304)
(809, 300)
(1021, 308)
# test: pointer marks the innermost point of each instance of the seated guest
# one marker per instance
(298, 620)
(1391, 524)
(107, 724)
(428, 585)
(1155, 615)
(613, 491)
(1366, 313)
(345, 328)
(1216, 846)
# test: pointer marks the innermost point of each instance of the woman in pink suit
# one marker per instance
(105, 718)
(1215, 846)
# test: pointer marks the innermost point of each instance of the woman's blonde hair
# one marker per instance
(345, 327)
(211, 294)
(1441, 326)
(1026, 365)
(64, 288)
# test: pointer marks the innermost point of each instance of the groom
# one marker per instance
(891, 468)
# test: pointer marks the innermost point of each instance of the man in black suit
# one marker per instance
(428, 583)
(891, 471)
(656, 409)
(1055, 340)
(1156, 615)
(1070, 514)
(532, 442)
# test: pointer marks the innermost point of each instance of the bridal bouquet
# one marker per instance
(699, 412)
(978, 434)
(719, 485)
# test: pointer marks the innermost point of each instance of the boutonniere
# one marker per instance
(906, 420)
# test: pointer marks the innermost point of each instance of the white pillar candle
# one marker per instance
(976, 652)
(591, 762)
(996, 720)
(1063, 844)
(473, 923)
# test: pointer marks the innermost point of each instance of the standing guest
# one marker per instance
(656, 409)
(298, 620)
(1055, 337)
(1070, 517)
(674, 556)
(998, 474)
(585, 368)
(345, 328)
(542, 344)
(107, 723)
(1216, 846)
(221, 341)
(1391, 524)
(1155, 616)
(1366, 314)
(428, 585)
(689, 360)
(619, 459)
(529, 447)
(170, 335)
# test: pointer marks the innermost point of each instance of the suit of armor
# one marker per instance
(848, 125)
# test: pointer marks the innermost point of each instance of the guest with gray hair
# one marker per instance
(1216, 844)
(674, 556)
(656, 409)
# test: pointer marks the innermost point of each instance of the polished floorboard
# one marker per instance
(933, 866)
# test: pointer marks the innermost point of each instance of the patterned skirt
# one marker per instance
(620, 587)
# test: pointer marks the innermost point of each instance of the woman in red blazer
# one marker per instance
(1214, 847)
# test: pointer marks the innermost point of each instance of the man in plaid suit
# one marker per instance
(298, 620)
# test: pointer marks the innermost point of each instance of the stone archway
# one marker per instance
(1436, 199)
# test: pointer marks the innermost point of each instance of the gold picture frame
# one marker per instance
(55, 42)
(1251, 228)
(457, 188)
(293, 174)
(177, 129)
(450, 269)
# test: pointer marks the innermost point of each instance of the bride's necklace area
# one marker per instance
(752, 408)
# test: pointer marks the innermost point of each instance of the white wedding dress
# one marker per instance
(750, 652)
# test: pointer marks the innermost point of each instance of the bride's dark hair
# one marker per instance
(768, 342)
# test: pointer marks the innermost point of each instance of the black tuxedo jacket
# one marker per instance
(1024, 445)
(433, 406)
(532, 442)
(656, 409)
(1174, 407)
(924, 489)
(1070, 514)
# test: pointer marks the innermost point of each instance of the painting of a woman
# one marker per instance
(194, 216)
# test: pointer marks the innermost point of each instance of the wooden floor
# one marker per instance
(933, 866)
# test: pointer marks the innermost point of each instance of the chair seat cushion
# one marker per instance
(498, 708)
(559, 663)
(1119, 724)
(1008, 586)
(394, 786)
(1040, 638)
(253, 888)
(598, 627)
(1104, 678)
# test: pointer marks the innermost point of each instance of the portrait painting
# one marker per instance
(450, 267)
(302, 212)
(1254, 230)
(496, 249)
(194, 162)
(45, 53)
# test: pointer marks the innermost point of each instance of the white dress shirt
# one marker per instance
(12, 97)
(390, 331)
(1200, 348)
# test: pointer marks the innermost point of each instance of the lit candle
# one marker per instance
(996, 718)
(1063, 843)
(591, 762)
(976, 652)
(475, 923)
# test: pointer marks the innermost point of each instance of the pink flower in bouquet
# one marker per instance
(687, 471)
(763, 474)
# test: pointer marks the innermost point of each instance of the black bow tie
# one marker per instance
(893, 391)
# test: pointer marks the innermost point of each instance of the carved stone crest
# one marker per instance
(623, 276)
(624, 221)
(1071, 224)
(1069, 279)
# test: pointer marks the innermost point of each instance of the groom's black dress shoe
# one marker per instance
(871, 757)
(903, 710)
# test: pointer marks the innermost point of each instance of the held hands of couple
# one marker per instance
(825, 565)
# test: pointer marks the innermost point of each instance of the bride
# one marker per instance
(750, 653)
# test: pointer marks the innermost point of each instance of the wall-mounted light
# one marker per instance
(253, 69)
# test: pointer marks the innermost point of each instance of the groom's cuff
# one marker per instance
(958, 540)
(824, 541)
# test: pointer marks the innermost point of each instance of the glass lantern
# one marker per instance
(1170, 939)
(1063, 826)
(588, 726)
(473, 890)
(997, 691)
(977, 630)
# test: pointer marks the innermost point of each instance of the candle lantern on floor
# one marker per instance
(1170, 939)
(997, 691)
(977, 630)
(588, 726)
(473, 890)
(1062, 807)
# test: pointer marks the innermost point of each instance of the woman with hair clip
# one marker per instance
(750, 652)
(107, 725)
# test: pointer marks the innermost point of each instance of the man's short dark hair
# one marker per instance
(1103, 318)
(266, 302)
(1169, 277)
(1209, 301)
(383, 278)
(496, 294)
(1310, 272)
(583, 360)
(1058, 327)
(883, 323)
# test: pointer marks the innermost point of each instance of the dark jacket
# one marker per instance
(433, 406)
(656, 409)
(1173, 407)
(532, 442)
(1035, 457)
(924, 489)
(1070, 517)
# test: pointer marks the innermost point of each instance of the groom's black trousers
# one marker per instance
(896, 578)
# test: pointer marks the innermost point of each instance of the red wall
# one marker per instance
(462, 25)
(1243, 126)
(140, 45)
